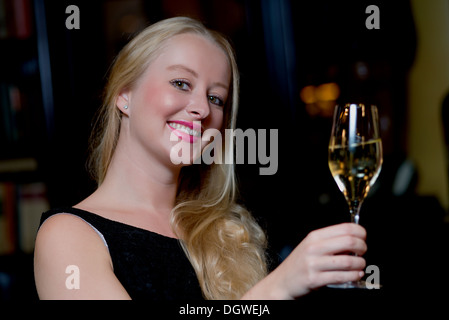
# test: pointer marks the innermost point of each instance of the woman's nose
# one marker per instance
(199, 108)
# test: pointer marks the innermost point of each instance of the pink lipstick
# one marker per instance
(189, 131)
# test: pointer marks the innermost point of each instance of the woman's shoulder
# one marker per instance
(66, 236)
(69, 213)
(77, 218)
(65, 231)
(65, 241)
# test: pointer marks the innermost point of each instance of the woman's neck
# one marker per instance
(140, 184)
(137, 190)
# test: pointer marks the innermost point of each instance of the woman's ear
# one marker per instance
(123, 102)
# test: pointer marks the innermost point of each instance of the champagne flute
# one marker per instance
(355, 158)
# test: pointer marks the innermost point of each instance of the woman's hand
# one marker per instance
(324, 257)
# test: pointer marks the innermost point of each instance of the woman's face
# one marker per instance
(181, 94)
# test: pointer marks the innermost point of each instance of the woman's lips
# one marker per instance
(187, 131)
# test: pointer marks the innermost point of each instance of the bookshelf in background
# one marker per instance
(23, 126)
(21, 207)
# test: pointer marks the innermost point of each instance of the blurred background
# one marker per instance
(297, 60)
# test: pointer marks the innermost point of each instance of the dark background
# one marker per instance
(282, 47)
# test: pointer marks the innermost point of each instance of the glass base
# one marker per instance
(354, 285)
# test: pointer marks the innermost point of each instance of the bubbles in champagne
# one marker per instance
(355, 168)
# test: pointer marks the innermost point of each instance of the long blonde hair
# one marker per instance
(222, 240)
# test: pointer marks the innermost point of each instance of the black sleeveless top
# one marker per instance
(148, 265)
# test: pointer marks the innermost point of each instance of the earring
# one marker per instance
(126, 107)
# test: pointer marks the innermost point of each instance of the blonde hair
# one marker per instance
(222, 240)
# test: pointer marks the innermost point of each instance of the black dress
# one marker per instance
(148, 265)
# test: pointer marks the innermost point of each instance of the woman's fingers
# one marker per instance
(330, 256)
(338, 230)
(335, 269)
(334, 277)
(339, 263)
(341, 244)
(324, 257)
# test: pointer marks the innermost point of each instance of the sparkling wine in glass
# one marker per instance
(355, 158)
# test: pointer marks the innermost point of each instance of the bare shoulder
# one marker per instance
(67, 227)
(71, 261)
(66, 232)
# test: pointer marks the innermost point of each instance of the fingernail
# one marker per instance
(361, 273)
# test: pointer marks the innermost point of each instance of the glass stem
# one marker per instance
(354, 210)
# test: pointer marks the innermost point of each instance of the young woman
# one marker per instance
(158, 230)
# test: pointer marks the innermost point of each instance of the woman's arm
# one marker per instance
(64, 241)
(321, 258)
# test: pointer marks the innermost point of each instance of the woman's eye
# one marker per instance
(216, 100)
(180, 84)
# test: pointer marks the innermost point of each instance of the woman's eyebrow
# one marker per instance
(182, 67)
